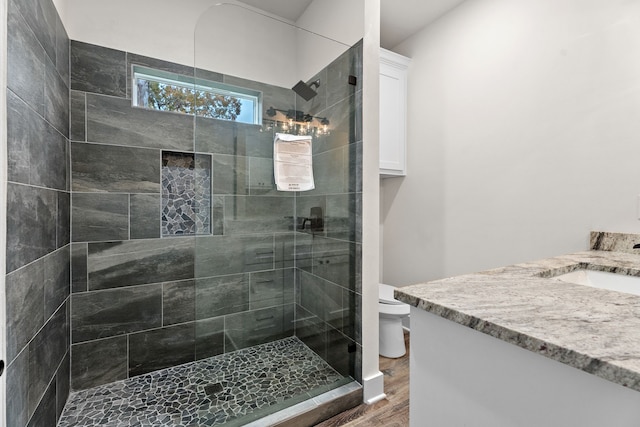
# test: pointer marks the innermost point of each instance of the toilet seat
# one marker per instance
(385, 295)
(396, 310)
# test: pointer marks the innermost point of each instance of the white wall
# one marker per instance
(160, 28)
(339, 20)
(373, 378)
(229, 39)
(235, 40)
(523, 136)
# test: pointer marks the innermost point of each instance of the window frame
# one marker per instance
(195, 84)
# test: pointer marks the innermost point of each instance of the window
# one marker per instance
(164, 91)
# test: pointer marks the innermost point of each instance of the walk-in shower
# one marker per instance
(203, 295)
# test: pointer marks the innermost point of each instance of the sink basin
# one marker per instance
(603, 280)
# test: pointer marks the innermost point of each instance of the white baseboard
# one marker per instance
(374, 388)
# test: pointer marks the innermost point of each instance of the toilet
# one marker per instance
(391, 313)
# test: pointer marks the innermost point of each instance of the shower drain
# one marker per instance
(212, 389)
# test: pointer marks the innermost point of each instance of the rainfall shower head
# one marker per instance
(304, 90)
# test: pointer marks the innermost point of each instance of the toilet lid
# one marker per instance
(386, 294)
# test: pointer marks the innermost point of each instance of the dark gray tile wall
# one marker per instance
(178, 302)
(38, 212)
(98, 362)
(144, 222)
(98, 69)
(146, 302)
(143, 302)
(115, 312)
(137, 262)
(209, 337)
(249, 328)
(328, 261)
(100, 217)
(161, 348)
(109, 168)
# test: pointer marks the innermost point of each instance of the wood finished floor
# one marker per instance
(390, 412)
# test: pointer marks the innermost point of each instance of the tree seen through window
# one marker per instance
(183, 99)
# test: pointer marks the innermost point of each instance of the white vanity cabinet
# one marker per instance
(393, 113)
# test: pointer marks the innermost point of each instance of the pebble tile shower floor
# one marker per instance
(208, 392)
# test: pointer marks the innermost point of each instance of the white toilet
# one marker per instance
(391, 313)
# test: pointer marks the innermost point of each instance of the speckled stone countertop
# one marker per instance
(595, 330)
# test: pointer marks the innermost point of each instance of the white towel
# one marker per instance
(293, 162)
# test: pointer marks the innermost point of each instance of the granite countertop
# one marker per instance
(595, 330)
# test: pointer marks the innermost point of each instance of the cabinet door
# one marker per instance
(393, 106)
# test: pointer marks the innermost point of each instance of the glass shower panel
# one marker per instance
(277, 277)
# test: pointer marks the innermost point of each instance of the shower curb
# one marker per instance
(315, 410)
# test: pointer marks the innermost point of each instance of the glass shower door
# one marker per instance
(277, 274)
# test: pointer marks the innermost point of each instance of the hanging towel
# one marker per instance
(292, 162)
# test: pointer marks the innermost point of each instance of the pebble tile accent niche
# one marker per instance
(186, 194)
(208, 392)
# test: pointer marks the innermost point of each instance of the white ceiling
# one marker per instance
(287, 9)
(399, 19)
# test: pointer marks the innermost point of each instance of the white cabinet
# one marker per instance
(393, 113)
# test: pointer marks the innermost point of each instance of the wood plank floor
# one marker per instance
(390, 412)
